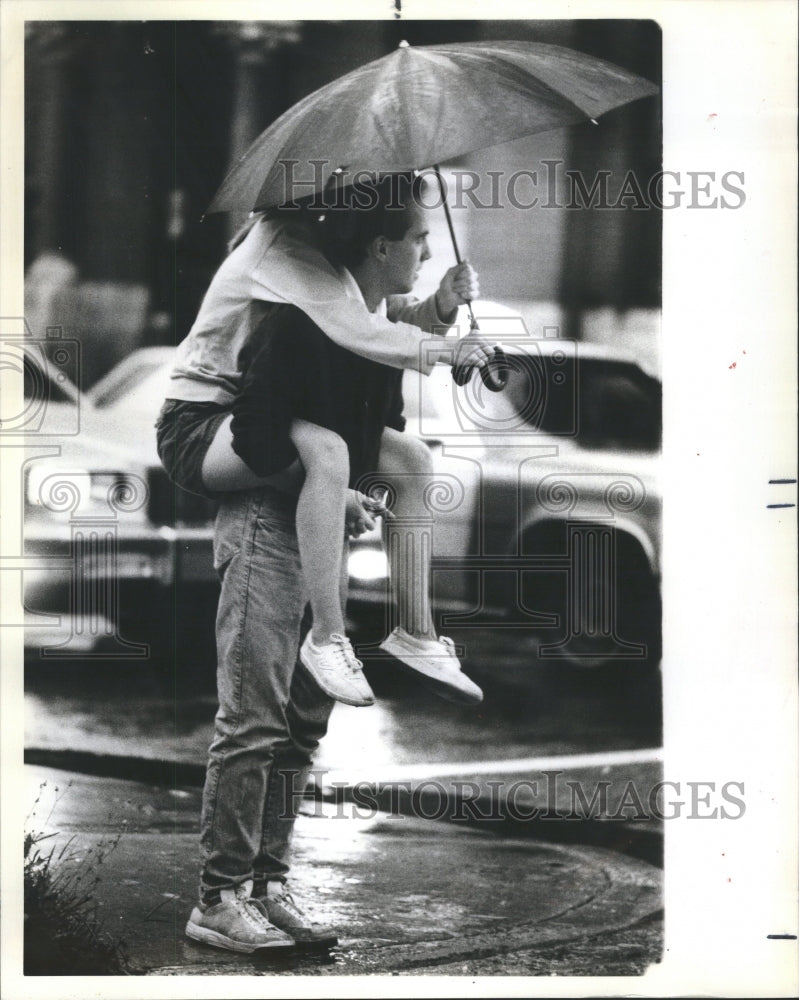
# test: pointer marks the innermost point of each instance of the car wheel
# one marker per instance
(597, 618)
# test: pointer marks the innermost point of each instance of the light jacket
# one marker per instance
(274, 263)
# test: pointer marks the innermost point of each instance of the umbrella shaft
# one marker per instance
(494, 382)
(447, 213)
(451, 230)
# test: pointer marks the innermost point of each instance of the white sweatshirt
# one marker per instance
(274, 263)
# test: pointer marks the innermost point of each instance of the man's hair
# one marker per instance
(358, 213)
(344, 219)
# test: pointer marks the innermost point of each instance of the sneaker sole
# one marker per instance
(335, 695)
(436, 683)
(448, 692)
(206, 936)
(317, 944)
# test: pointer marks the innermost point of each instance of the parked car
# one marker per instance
(545, 510)
(549, 506)
(123, 558)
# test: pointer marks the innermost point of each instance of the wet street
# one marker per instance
(116, 754)
(531, 709)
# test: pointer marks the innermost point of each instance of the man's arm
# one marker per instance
(438, 312)
(291, 270)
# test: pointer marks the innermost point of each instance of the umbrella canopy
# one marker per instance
(420, 106)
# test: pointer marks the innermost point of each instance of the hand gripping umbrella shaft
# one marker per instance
(497, 379)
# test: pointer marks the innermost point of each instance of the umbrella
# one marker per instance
(418, 107)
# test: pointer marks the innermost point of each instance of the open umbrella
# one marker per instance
(418, 107)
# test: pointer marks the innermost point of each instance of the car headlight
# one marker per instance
(368, 564)
(49, 486)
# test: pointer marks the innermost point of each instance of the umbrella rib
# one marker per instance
(515, 73)
(511, 76)
(502, 51)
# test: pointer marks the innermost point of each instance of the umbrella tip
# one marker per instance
(594, 121)
(403, 44)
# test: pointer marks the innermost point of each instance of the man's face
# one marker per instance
(405, 257)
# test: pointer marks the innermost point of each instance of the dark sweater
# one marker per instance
(292, 370)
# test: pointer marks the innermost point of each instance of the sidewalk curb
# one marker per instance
(432, 791)
(407, 894)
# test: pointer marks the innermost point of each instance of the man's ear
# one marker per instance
(378, 248)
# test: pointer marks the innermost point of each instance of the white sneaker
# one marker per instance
(334, 667)
(434, 659)
(284, 913)
(237, 923)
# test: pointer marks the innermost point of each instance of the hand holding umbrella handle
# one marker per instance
(494, 374)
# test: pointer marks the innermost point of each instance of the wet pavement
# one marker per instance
(436, 840)
(407, 895)
(530, 709)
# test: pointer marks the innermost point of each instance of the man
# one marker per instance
(272, 713)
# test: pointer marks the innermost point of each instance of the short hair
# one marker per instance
(356, 214)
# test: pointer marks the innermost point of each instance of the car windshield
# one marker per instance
(601, 403)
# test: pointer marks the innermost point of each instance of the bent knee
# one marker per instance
(409, 454)
(322, 452)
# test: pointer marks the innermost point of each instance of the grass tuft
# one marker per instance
(63, 936)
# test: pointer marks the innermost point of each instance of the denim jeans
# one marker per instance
(271, 713)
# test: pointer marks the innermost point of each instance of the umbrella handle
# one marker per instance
(497, 379)
(494, 374)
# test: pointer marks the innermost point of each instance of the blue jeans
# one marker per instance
(271, 713)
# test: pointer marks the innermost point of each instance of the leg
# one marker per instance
(258, 630)
(320, 522)
(409, 545)
(308, 712)
(320, 480)
(408, 537)
(223, 470)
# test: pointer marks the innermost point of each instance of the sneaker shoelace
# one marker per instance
(286, 900)
(344, 653)
(251, 912)
(448, 644)
(451, 663)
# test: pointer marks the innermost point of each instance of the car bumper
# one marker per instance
(58, 568)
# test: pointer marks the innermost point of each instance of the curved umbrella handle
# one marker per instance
(495, 379)
(494, 374)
